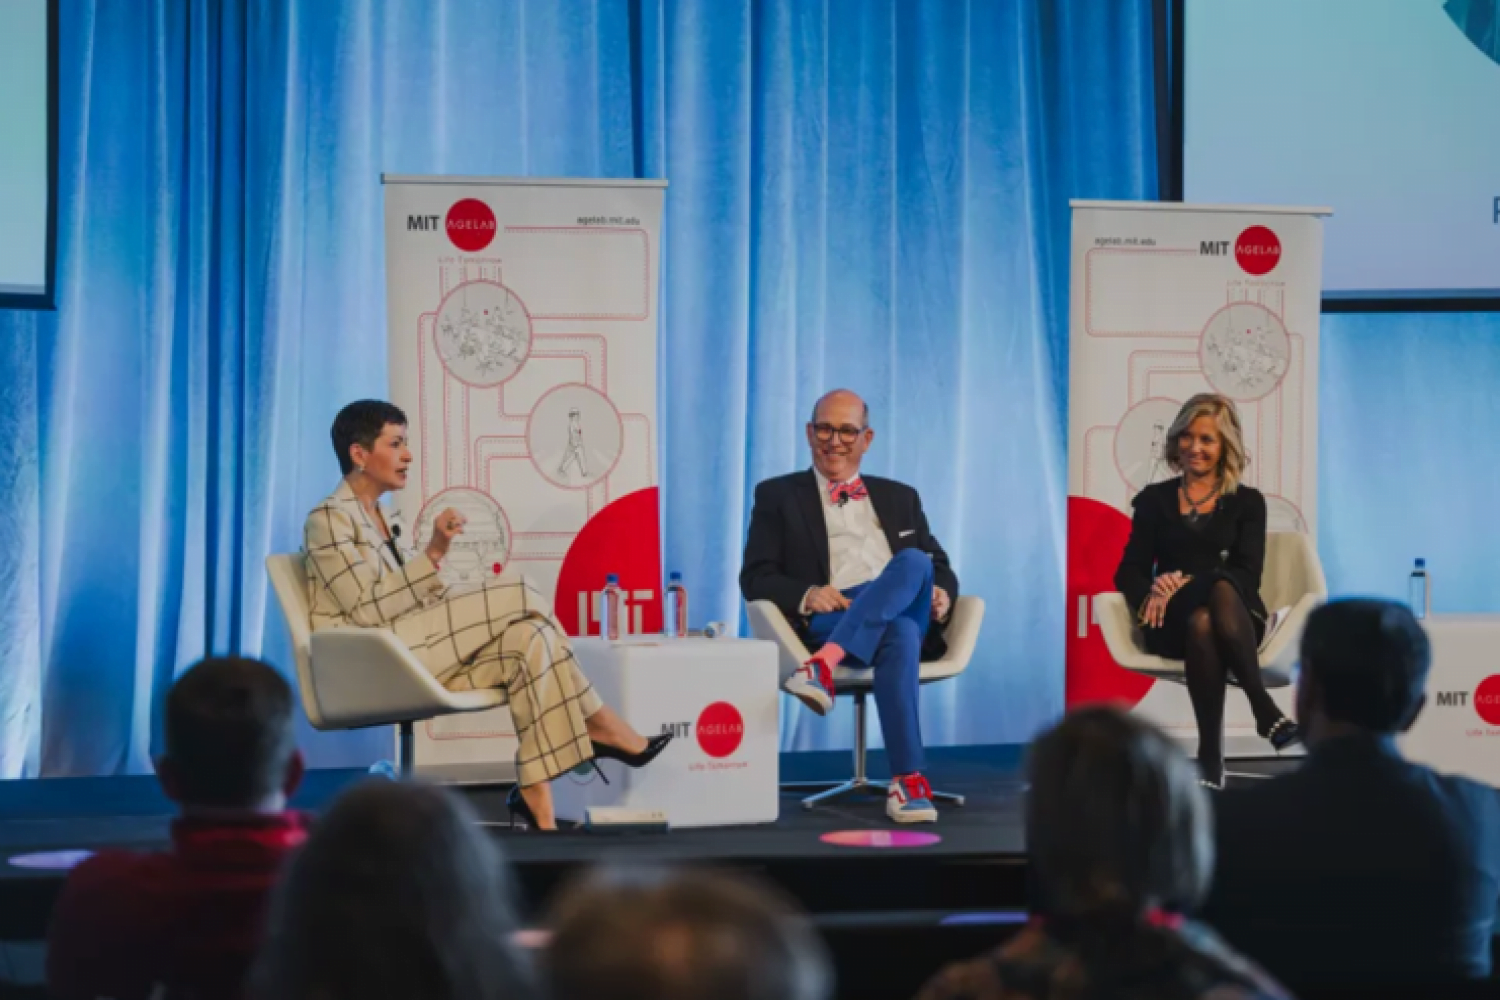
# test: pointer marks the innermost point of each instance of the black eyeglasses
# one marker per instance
(847, 434)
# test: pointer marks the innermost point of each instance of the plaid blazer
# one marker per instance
(354, 578)
(353, 575)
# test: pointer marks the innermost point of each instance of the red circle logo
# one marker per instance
(1258, 251)
(1487, 699)
(470, 225)
(720, 729)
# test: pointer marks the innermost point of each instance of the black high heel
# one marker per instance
(654, 746)
(517, 807)
(1282, 733)
(1212, 778)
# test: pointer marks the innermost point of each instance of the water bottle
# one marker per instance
(1419, 590)
(611, 607)
(676, 624)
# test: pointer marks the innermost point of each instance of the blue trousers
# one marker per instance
(883, 629)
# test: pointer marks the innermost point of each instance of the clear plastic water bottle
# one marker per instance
(1419, 590)
(611, 607)
(676, 617)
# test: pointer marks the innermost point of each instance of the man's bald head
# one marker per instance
(839, 434)
(843, 399)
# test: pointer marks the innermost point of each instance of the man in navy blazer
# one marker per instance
(1360, 868)
(851, 563)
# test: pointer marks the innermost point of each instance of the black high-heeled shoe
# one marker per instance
(518, 808)
(654, 746)
(1282, 733)
(1211, 777)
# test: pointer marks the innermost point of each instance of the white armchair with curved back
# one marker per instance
(767, 622)
(351, 677)
(1291, 579)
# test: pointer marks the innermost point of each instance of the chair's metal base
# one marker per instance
(830, 790)
(406, 748)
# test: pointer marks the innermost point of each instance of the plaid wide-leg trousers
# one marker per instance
(504, 636)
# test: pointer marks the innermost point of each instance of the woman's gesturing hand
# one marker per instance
(445, 527)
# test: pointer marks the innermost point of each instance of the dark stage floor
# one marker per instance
(979, 864)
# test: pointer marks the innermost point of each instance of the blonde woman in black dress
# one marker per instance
(1191, 571)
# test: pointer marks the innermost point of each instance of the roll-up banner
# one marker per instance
(522, 345)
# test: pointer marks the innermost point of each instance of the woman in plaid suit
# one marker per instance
(502, 635)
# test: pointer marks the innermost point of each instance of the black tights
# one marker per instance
(1220, 644)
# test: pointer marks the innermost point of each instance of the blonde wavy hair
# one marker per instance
(1232, 457)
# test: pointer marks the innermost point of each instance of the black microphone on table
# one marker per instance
(396, 549)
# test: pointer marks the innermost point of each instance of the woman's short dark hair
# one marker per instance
(397, 894)
(688, 934)
(1367, 660)
(228, 729)
(360, 423)
(1116, 821)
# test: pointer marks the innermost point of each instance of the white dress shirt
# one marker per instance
(857, 547)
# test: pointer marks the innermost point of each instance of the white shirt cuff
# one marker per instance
(802, 608)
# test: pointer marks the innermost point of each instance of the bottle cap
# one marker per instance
(612, 578)
(1421, 564)
(674, 576)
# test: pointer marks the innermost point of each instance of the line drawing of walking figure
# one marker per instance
(574, 454)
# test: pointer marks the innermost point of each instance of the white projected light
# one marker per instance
(1386, 110)
(25, 157)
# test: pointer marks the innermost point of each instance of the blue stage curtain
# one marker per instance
(870, 193)
(874, 195)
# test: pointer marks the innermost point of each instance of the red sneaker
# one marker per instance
(812, 685)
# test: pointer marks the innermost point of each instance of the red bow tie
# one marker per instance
(854, 489)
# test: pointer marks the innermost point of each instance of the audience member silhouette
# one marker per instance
(1119, 833)
(1360, 867)
(633, 934)
(398, 894)
(187, 921)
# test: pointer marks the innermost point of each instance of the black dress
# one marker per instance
(1228, 544)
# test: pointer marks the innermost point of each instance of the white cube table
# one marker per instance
(720, 699)
(1458, 731)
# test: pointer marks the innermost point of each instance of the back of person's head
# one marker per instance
(1364, 663)
(229, 738)
(1116, 822)
(361, 423)
(397, 894)
(686, 934)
